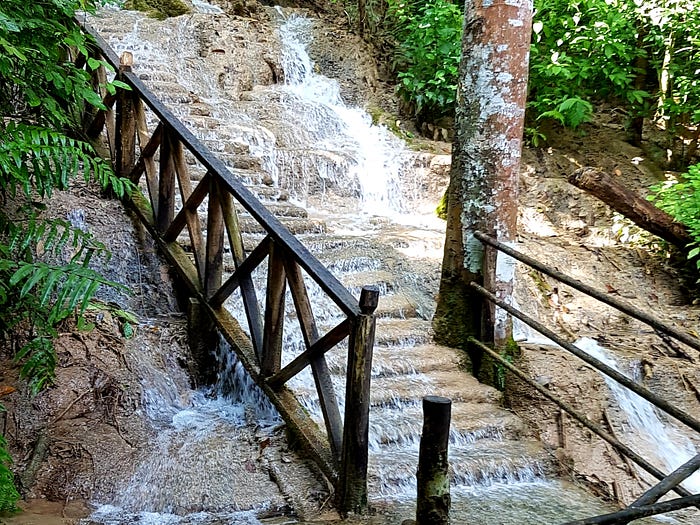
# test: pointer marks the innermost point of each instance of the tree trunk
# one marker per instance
(483, 190)
(640, 211)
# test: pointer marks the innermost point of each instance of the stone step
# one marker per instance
(295, 225)
(158, 75)
(383, 280)
(231, 147)
(388, 361)
(402, 332)
(484, 463)
(396, 305)
(395, 391)
(470, 422)
(238, 161)
(200, 123)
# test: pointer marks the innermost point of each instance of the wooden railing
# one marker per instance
(342, 452)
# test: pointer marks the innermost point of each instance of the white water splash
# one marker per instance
(660, 438)
(376, 158)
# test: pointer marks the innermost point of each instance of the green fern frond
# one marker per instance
(38, 359)
(51, 237)
(62, 289)
(40, 159)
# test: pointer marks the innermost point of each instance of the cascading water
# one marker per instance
(317, 146)
(201, 466)
(660, 440)
(377, 159)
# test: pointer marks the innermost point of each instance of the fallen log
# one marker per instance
(640, 211)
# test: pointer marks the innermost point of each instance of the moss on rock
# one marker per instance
(159, 9)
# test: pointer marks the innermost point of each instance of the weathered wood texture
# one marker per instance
(271, 359)
(126, 129)
(639, 210)
(202, 274)
(433, 503)
(353, 466)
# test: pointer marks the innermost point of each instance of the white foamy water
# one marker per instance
(370, 154)
(660, 437)
(193, 472)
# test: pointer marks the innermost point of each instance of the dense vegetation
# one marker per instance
(45, 277)
(642, 57)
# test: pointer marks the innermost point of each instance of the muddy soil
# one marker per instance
(574, 233)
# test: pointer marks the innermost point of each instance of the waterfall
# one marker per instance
(376, 159)
(656, 435)
(193, 472)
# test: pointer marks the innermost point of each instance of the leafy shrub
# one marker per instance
(45, 274)
(582, 51)
(680, 198)
(428, 54)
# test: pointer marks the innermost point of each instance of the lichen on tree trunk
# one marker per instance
(483, 190)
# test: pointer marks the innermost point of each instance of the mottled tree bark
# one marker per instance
(486, 151)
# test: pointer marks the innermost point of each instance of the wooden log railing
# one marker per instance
(342, 452)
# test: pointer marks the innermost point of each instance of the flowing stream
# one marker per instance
(656, 436)
(362, 183)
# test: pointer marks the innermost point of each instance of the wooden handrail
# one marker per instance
(319, 273)
(344, 458)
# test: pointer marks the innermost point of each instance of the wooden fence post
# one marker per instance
(433, 505)
(274, 313)
(214, 262)
(353, 468)
(126, 123)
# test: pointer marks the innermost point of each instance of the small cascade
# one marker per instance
(203, 464)
(655, 435)
(367, 153)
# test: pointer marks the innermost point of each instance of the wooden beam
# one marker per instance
(147, 151)
(640, 211)
(98, 123)
(250, 299)
(188, 208)
(352, 493)
(271, 358)
(244, 269)
(166, 185)
(149, 163)
(126, 129)
(320, 347)
(194, 227)
(319, 367)
(214, 263)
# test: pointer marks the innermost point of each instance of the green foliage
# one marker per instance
(680, 198)
(629, 52)
(8, 492)
(45, 273)
(582, 51)
(159, 9)
(39, 159)
(428, 54)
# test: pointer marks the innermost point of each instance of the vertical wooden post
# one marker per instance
(433, 505)
(271, 358)
(166, 183)
(126, 123)
(214, 264)
(353, 467)
(202, 336)
(250, 299)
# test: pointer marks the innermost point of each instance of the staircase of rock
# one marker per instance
(489, 445)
